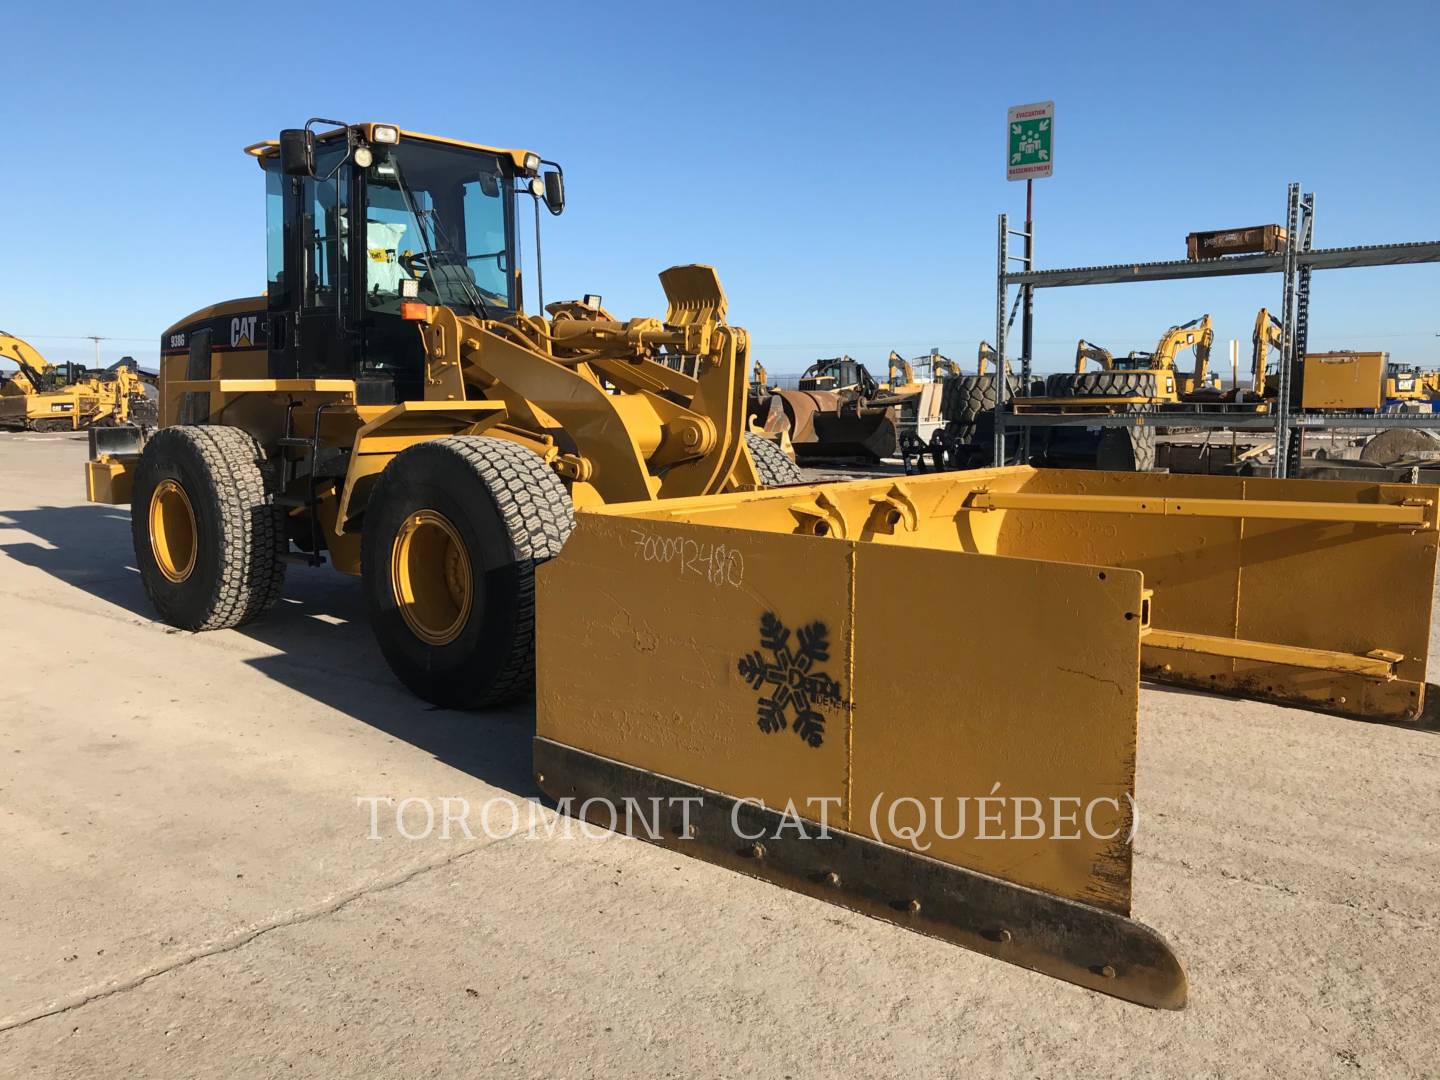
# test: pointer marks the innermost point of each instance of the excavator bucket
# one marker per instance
(721, 675)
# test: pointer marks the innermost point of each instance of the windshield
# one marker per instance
(437, 215)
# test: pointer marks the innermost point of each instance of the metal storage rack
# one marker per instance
(1294, 264)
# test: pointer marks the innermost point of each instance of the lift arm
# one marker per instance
(987, 357)
(1086, 351)
(899, 365)
(33, 366)
(1268, 332)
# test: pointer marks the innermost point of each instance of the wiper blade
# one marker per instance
(472, 297)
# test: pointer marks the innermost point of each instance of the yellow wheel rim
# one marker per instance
(172, 531)
(430, 576)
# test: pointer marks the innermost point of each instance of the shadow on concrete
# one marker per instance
(1428, 720)
(320, 633)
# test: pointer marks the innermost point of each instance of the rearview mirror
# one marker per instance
(297, 152)
(554, 191)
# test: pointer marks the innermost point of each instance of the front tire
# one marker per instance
(452, 535)
(209, 540)
(771, 464)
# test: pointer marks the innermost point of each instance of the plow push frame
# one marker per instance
(729, 659)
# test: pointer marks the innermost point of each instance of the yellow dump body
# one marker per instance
(762, 645)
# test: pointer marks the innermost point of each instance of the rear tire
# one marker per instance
(774, 468)
(452, 535)
(209, 540)
(1128, 449)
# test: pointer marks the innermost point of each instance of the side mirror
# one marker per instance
(554, 191)
(297, 152)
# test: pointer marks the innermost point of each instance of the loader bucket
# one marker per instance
(724, 676)
(823, 426)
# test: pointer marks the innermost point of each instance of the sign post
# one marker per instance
(1029, 155)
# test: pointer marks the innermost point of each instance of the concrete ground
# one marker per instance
(189, 888)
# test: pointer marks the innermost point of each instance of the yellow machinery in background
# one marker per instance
(942, 367)
(919, 403)
(1268, 334)
(42, 396)
(840, 412)
(1404, 386)
(1143, 378)
(570, 504)
(1344, 380)
(899, 374)
(1335, 381)
(1137, 382)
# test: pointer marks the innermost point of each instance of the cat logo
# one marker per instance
(242, 331)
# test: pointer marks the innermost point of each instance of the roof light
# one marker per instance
(532, 164)
(363, 157)
(385, 133)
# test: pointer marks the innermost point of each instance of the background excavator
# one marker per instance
(42, 396)
(1137, 382)
(1149, 379)
(1268, 333)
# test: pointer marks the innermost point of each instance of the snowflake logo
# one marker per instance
(787, 680)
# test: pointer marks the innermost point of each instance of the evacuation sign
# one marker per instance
(1030, 141)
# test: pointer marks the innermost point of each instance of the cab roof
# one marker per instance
(271, 147)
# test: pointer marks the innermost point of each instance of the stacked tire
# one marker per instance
(966, 399)
(1128, 449)
(1104, 384)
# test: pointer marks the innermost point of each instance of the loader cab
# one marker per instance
(839, 374)
(384, 224)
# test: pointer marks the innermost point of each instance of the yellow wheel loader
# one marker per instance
(840, 413)
(569, 502)
(388, 405)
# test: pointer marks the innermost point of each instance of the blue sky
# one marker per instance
(841, 164)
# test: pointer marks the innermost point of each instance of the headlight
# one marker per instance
(532, 164)
(363, 157)
(385, 133)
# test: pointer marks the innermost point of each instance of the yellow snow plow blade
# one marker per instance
(918, 698)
